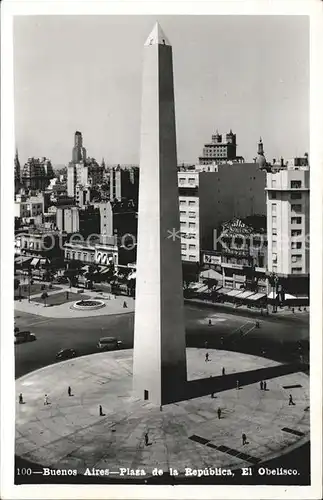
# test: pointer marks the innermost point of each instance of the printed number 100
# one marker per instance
(24, 472)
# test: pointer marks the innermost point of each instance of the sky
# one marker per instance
(245, 73)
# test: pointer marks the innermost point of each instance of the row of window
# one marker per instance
(296, 245)
(190, 257)
(192, 215)
(293, 184)
(295, 207)
(78, 256)
(184, 180)
(294, 220)
(294, 232)
(190, 224)
(295, 270)
(190, 246)
(188, 236)
(191, 203)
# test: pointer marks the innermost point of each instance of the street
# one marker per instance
(276, 338)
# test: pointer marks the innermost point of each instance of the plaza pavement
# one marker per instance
(69, 433)
(113, 305)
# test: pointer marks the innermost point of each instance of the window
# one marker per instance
(191, 203)
(84, 256)
(296, 258)
(183, 245)
(274, 231)
(296, 208)
(67, 255)
(192, 224)
(192, 247)
(192, 257)
(273, 195)
(295, 184)
(296, 232)
(183, 235)
(274, 220)
(296, 270)
(296, 220)
(191, 236)
(274, 245)
(182, 212)
(274, 268)
(273, 183)
(191, 180)
(79, 255)
(182, 202)
(296, 196)
(274, 257)
(296, 245)
(73, 255)
(182, 180)
(274, 208)
(192, 215)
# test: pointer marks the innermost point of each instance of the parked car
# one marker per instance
(61, 279)
(109, 344)
(26, 336)
(66, 354)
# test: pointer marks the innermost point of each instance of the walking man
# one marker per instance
(21, 400)
(265, 385)
(46, 400)
(69, 391)
(125, 304)
(244, 439)
(261, 385)
(206, 357)
(219, 413)
(223, 371)
(146, 439)
(291, 402)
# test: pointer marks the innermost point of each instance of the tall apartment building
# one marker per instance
(211, 195)
(124, 183)
(17, 172)
(288, 201)
(37, 173)
(78, 151)
(220, 150)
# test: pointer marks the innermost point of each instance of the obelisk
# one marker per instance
(159, 364)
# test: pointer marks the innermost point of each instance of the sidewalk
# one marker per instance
(281, 312)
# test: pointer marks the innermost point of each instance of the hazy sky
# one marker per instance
(248, 73)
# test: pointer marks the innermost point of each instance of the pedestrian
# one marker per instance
(46, 400)
(293, 309)
(219, 413)
(265, 385)
(210, 322)
(257, 324)
(69, 391)
(212, 395)
(300, 309)
(206, 344)
(267, 312)
(237, 385)
(244, 439)
(67, 295)
(223, 371)
(125, 304)
(146, 439)
(206, 357)
(101, 411)
(291, 402)
(261, 312)
(21, 400)
(222, 340)
(304, 309)
(261, 385)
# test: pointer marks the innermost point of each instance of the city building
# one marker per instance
(29, 207)
(220, 151)
(124, 183)
(288, 219)
(37, 173)
(78, 151)
(240, 255)
(73, 219)
(40, 243)
(17, 172)
(213, 194)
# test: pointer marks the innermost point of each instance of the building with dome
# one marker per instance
(261, 159)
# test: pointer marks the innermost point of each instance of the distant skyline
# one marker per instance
(245, 73)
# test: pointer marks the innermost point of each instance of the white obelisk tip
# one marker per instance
(157, 36)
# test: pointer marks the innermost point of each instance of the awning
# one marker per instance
(246, 294)
(203, 288)
(22, 259)
(34, 262)
(211, 274)
(257, 296)
(234, 293)
(224, 291)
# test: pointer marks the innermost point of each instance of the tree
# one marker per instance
(44, 297)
